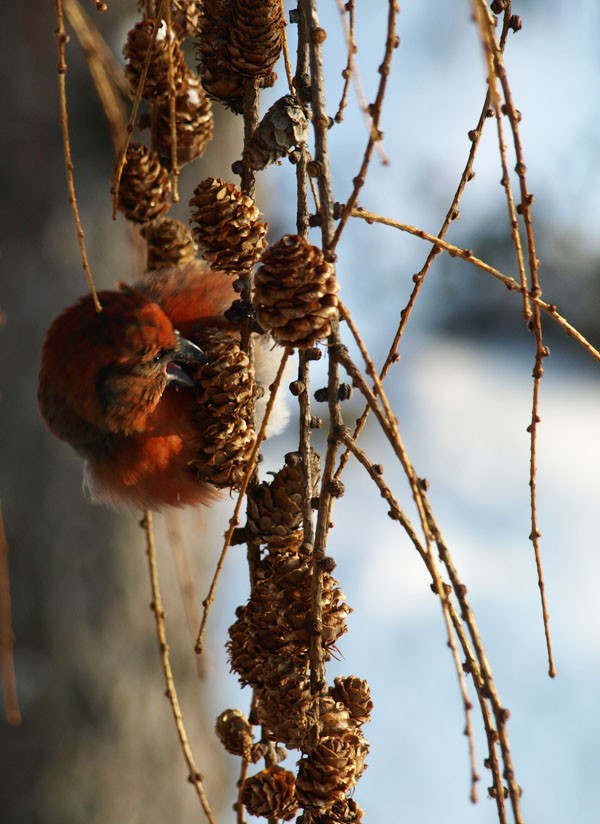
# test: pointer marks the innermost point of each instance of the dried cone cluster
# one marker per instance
(269, 641)
(295, 292)
(269, 649)
(225, 391)
(227, 226)
(330, 768)
(238, 39)
(193, 125)
(283, 127)
(155, 67)
(144, 187)
(270, 794)
(169, 243)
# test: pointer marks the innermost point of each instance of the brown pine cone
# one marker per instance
(185, 15)
(327, 772)
(224, 411)
(295, 292)
(164, 49)
(145, 187)
(346, 811)
(256, 36)
(284, 704)
(270, 794)
(235, 732)
(283, 127)
(275, 624)
(244, 657)
(216, 74)
(355, 694)
(193, 125)
(226, 225)
(169, 243)
(275, 507)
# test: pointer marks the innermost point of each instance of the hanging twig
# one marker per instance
(392, 42)
(12, 711)
(106, 73)
(195, 777)
(172, 110)
(450, 617)
(350, 73)
(62, 40)
(120, 165)
(467, 255)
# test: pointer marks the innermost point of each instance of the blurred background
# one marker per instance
(97, 743)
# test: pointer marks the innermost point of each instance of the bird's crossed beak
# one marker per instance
(185, 352)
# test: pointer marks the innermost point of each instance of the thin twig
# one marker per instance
(452, 214)
(350, 72)
(106, 73)
(450, 616)
(251, 120)
(234, 520)
(501, 714)
(239, 805)
(309, 27)
(311, 34)
(286, 55)
(62, 40)
(497, 73)
(12, 711)
(195, 777)
(375, 109)
(419, 279)
(389, 427)
(347, 8)
(467, 255)
(430, 529)
(248, 185)
(535, 326)
(121, 160)
(303, 367)
(172, 106)
(185, 579)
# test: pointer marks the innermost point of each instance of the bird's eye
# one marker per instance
(161, 356)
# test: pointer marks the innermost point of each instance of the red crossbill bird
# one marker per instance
(115, 385)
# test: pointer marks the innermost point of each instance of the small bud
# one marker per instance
(515, 23)
(318, 35)
(314, 168)
(344, 391)
(336, 488)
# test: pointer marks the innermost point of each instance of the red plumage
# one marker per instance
(112, 384)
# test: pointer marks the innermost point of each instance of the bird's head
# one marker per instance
(103, 373)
